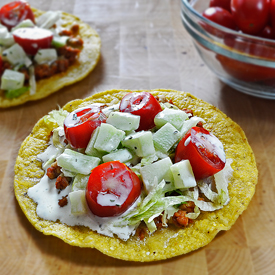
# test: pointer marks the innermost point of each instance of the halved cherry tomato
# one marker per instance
(250, 16)
(13, 13)
(141, 104)
(220, 16)
(112, 188)
(80, 124)
(33, 39)
(204, 151)
(225, 4)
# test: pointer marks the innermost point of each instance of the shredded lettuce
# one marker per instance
(56, 117)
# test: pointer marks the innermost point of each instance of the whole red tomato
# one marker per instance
(203, 150)
(33, 39)
(225, 4)
(250, 16)
(80, 124)
(244, 71)
(13, 13)
(112, 188)
(272, 13)
(141, 104)
(220, 16)
(267, 32)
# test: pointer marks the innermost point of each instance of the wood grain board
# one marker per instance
(144, 46)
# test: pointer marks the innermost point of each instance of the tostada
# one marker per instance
(41, 52)
(138, 175)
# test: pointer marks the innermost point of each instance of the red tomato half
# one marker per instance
(225, 4)
(250, 16)
(80, 124)
(204, 151)
(220, 16)
(141, 104)
(112, 188)
(33, 39)
(13, 13)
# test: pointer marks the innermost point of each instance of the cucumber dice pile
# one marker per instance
(147, 153)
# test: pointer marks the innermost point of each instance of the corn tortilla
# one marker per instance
(87, 60)
(167, 242)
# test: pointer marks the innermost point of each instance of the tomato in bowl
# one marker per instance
(243, 61)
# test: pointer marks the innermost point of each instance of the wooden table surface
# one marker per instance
(144, 46)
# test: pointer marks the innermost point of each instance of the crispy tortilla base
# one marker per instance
(167, 242)
(88, 59)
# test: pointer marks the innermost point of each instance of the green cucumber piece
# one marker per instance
(45, 56)
(76, 162)
(90, 149)
(166, 137)
(123, 121)
(122, 155)
(78, 202)
(6, 38)
(16, 55)
(159, 170)
(183, 175)
(141, 143)
(59, 41)
(108, 138)
(172, 116)
(80, 182)
(12, 80)
(23, 24)
(16, 93)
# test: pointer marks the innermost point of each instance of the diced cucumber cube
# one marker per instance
(23, 24)
(15, 55)
(80, 182)
(166, 137)
(59, 41)
(76, 162)
(183, 175)
(123, 155)
(45, 56)
(90, 149)
(175, 117)
(12, 80)
(108, 138)
(141, 143)
(159, 169)
(78, 202)
(6, 38)
(124, 121)
(16, 93)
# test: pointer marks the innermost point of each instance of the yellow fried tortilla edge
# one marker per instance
(164, 243)
(88, 59)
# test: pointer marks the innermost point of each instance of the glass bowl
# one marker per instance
(244, 62)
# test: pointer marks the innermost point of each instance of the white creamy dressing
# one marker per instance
(213, 145)
(46, 196)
